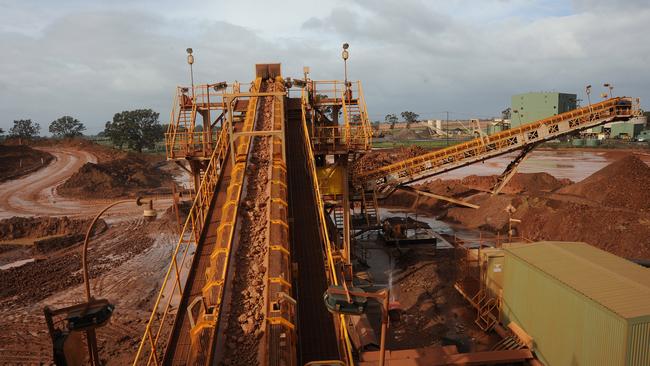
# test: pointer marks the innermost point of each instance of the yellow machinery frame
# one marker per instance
(484, 147)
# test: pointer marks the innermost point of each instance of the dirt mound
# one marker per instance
(38, 227)
(492, 214)
(621, 232)
(128, 176)
(102, 152)
(378, 158)
(447, 187)
(624, 183)
(19, 160)
(626, 234)
(520, 183)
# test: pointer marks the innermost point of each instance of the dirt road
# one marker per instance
(34, 195)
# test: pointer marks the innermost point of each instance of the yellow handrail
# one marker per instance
(193, 227)
(323, 228)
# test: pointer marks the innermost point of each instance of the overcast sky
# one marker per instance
(91, 59)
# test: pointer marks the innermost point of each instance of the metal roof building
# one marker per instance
(530, 107)
(581, 305)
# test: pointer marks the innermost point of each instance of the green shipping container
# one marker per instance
(581, 305)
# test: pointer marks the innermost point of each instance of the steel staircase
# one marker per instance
(509, 343)
(370, 208)
(338, 218)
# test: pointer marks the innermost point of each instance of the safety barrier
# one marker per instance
(152, 346)
(320, 206)
(213, 290)
(355, 133)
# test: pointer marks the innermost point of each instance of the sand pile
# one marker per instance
(446, 187)
(520, 183)
(492, 214)
(624, 233)
(128, 176)
(19, 160)
(624, 183)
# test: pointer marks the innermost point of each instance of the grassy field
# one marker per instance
(427, 144)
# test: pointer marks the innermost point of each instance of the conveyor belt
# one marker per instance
(485, 147)
(178, 349)
(317, 338)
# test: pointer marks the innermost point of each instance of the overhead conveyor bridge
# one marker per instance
(524, 137)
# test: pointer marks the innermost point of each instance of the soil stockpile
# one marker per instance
(621, 232)
(19, 160)
(624, 183)
(128, 176)
(521, 182)
(38, 227)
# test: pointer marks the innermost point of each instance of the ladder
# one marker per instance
(339, 220)
(370, 208)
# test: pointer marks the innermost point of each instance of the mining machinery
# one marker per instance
(271, 223)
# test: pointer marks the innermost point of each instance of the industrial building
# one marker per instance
(529, 107)
(580, 305)
(631, 129)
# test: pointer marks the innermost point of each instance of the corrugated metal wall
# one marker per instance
(568, 328)
(639, 346)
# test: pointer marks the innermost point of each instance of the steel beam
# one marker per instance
(438, 197)
(511, 169)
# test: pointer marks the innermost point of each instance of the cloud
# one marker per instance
(474, 67)
(467, 57)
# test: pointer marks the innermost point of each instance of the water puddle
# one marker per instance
(16, 264)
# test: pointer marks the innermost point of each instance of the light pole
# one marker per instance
(148, 213)
(588, 91)
(345, 55)
(610, 87)
(190, 61)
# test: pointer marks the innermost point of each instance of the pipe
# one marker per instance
(384, 326)
(84, 256)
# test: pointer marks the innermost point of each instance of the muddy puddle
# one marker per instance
(572, 164)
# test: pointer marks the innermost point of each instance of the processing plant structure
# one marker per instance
(262, 272)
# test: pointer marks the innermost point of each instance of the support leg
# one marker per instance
(511, 169)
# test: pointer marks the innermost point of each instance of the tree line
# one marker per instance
(136, 129)
(408, 116)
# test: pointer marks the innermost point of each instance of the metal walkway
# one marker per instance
(317, 336)
(178, 348)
